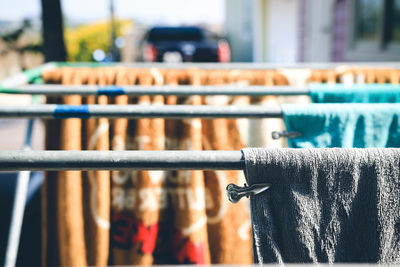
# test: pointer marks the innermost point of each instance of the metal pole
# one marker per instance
(138, 90)
(138, 111)
(242, 66)
(26, 76)
(116, 160)
(186, 90)
(18, 211)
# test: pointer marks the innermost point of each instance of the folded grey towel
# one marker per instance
(325, 205)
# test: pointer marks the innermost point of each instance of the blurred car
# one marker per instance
(183, 44)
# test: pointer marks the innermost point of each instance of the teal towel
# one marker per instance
(343, 125)
(367, 93)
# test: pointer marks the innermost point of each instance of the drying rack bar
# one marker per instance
(234, 65)
(35, 73)
(185, 90)
(26, 76)
(138, 90)
(51, 111)
(119, 160)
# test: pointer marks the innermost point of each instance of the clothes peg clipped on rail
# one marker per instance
(235, 193)
(276, 135)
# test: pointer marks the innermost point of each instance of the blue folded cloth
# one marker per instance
(343, 125)
(366, 93)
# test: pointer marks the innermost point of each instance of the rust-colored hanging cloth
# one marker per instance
(184, 227)
(63, 220)
(137, 195)
(156, 217)
(228, 225)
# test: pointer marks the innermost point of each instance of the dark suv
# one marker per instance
(183, 44)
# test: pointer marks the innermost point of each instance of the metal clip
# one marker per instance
(235, 193)
(276, 135)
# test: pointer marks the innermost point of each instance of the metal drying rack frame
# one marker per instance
(29, 82)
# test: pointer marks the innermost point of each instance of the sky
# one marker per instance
(147, 11)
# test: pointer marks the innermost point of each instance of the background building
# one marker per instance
(313, 30)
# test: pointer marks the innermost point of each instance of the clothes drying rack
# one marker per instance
(138, 90)
(94, 160)
(118, 160)
(51, 111)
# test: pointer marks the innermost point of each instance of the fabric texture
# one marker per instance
(367, 93)
(156, 217)
(343, 125)
(141, 217)
(325, 205)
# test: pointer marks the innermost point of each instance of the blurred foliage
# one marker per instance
(14, 42)
(83, 40)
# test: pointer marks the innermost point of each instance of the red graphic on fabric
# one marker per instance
(122, 229)
(186, 251)
(127, 231)
(146, 236)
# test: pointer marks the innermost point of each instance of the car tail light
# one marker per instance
(149, 53)
(224, 52)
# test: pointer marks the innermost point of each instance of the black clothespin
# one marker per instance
(235, 193)
(276, 135)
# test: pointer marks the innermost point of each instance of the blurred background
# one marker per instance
(284, 31)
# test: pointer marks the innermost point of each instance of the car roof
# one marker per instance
(176, 27)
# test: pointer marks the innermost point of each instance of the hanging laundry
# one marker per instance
(367, 93)
(142, 217)
(156, 217)
(325, 205)
(229, 231)
(261, 129)
(343, 125)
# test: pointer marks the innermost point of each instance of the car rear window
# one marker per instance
(175, 34)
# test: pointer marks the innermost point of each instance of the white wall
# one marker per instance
(263, 30)
(239, 27)
(282, 41)
(318, 30)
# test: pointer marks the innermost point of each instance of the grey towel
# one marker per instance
(325, 205)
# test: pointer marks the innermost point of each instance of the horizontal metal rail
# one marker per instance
(187, 90)
(51, 111)
(29, 75)
(237, 65)
(26, 76)
(138, 90)
(119, 160)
